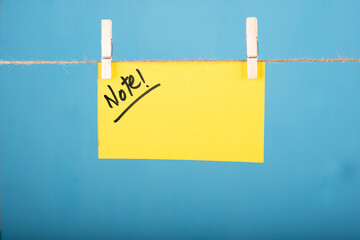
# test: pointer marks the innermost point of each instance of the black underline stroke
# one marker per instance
(136, 100)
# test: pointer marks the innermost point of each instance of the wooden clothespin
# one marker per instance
(106, 48)
(252, 47)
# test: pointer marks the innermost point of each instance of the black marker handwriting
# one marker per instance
(129, 82)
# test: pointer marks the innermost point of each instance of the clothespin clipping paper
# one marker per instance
(252, 47)
(106, 48)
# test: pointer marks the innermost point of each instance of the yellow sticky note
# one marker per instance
(181, 110)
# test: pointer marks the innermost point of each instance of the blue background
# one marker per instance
(53, 186)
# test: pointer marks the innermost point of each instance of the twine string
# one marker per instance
(3, 62)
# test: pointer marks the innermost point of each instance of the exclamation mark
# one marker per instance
(142, 79)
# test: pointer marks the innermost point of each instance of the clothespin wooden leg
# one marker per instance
(106, 48)
(252, 46)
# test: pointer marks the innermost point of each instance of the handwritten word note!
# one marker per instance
(181, 111)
